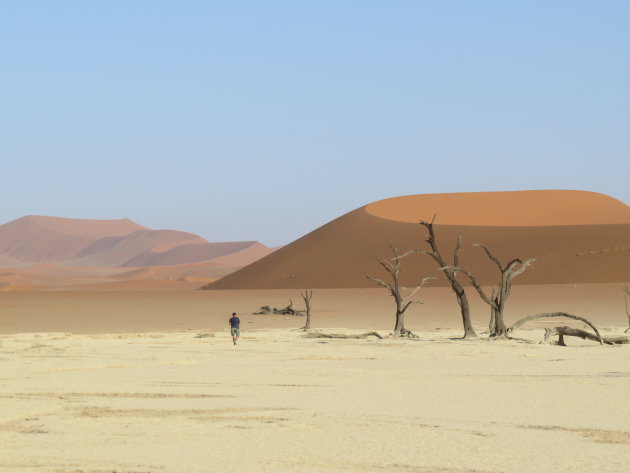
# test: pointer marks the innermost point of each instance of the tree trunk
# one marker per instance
(451, 276)
(307, 301)
(500, 330)
(400, 323)
(462, 300)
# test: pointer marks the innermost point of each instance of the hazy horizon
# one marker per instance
(249, 121)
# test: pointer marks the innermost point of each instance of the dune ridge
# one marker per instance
(541, 208)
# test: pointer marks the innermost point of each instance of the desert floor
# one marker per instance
(174, 395)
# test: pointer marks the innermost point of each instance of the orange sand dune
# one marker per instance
(595, 248)
(517, 208)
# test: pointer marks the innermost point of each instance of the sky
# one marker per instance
(264, 120)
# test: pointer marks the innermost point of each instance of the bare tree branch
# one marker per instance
(524, 265)
(418, 287)
(490, 255)
(458, 250)
(427, 252)
(474, 282)
(380, 282)
(407, 253)
(504, 289)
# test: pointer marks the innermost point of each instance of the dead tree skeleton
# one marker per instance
(562, 332)
(392, 266)
(451, 276)
(503, 290)
(307, 296)
(547, 315)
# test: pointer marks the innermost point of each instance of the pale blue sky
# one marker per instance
(265, 119)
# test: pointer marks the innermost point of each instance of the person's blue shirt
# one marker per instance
(235, 322)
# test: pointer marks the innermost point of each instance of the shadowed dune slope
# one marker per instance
(244, 256)
(189, 253)
(118, 251)
(588, 243)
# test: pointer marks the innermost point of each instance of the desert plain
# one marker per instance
(114, 360)
(149, 381)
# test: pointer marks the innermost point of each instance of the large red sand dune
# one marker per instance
(576, 236)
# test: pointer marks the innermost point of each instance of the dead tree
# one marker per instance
(392, 266)
(626, 295)
(562, 332)
(546, 315)
(451, 275)
(307, 296)
(503, 289)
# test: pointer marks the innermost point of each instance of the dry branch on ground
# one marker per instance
(529, 318)
(344, 336)
(564, 331)
(288, 310)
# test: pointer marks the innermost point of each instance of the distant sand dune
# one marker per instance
(84, 252)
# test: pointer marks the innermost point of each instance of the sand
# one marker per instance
(189, 401)
(177, 306)
(148, 381)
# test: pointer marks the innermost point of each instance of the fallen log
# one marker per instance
(562, 332)
(555, 314)
(288, 310)
(343, 336)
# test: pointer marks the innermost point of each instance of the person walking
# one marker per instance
(235, 327)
